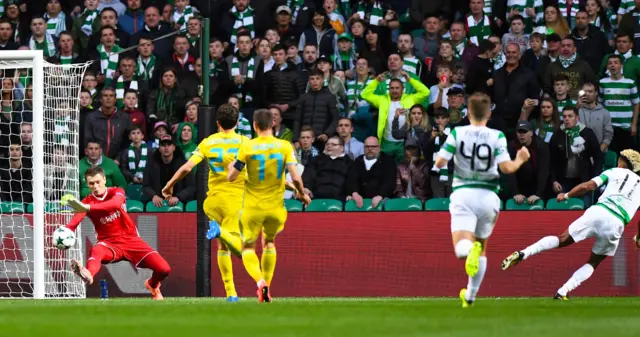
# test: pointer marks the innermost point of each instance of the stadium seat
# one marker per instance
(571, 203)
(324, 205)
(192, 206)
(135, 206)
(513, 206)
(11, 207)
(350, 206)
(437, 204)
(610, 160)
(165, 207)
(50, 206)
(134, 192)
(293, 205)
(403, 204)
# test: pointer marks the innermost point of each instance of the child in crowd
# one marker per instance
(517, 34)
(134, 159)
(182, 13)
(160, 129)
(306, 152)
(244, 127)
(131, 108)
(191, 112)
(439, 178)
(561, 92)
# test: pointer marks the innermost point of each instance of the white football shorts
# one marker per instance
(474, 210)
(598, 222)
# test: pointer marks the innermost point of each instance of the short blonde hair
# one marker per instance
(633, 157)
(479, 106)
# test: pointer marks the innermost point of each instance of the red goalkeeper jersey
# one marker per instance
(108, 214)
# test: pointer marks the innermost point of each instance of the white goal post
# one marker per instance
(30, 267)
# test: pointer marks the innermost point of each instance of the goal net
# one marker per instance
(39, 154)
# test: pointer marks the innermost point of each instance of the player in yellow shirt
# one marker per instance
(224, 198)
(263, 211)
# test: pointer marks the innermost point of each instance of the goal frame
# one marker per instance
(37, 59)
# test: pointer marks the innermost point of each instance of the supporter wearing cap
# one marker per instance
(284, 26)
(160, 129)
(529, 183)
(333, 83)
(345, 58)
(164, 163)
(412, 180)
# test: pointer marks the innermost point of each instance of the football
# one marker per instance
(64, 238)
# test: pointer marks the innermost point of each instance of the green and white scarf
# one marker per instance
(575, 7)
(243, 19)
(62, 130)
(377, 13)
(458, 50)
(108, 61)
(545, 132)
(521, 6)
(567, 102)
(235, 70)
(345, 5)
(488, 7)
(411, 66)
(354, 90)
(120, 90)
(295, 6)
(145, 70)
(442, 172)
(182, 18)
(573, 133)
(138, 170)
(499, 61)
(566, 62)
(48, 45)
(193, 40)
(66, 59)
(56, 25)
(478, 31)
(87, 26)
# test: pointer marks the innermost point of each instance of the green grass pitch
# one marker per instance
(182, 317)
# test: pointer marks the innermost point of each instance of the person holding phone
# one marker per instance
(438, 92)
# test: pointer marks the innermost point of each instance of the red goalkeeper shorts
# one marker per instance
(132, 249)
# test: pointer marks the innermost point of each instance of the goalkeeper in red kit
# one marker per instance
(118, 238)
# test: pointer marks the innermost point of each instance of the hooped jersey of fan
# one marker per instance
(621, 196)
(476, 151)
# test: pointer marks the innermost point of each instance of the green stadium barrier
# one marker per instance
(513, 206)
(11, 207)
(192, 206)
(610, 160)
(403, 204)
(293, 205)
(324, 205)
(134, 192)
(437, 204)
(350, 206)
(135, 206)
(165, 207)
(571, 203)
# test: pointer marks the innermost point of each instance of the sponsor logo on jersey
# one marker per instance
(110, 218)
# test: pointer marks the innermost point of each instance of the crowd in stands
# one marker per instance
(366, 90)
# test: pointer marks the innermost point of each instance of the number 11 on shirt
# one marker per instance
(263, 164)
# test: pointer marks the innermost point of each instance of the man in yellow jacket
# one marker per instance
(388, 104)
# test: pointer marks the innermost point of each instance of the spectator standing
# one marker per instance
(359, 110)
(108, 54)
(531, 181)
(136, 116)
(438, 93)
(134, 159)
(352, 147)
(548, 121)
(243, 66)
(117, 6)
(575, 154)
(569, 63)
(463, 49)
(65, 55)
(533, 56)
(108, 125)
(591, 43)
(132, 20)
(244, 126)
(320, 33)
(126, 81)
(325, 176)
(148, 68)
(479, 26)
(60, 177)
(372, 175)
(332, 82)
(57, 21)
(16, 176)
(194, 26)
(440, 181)
(457, 109)
(280, 130)
(317, 109)
(168, 101)
(416, 124)
(153, 28)
(553, 42)
(163, 165)
(309, 58)
(631, 63)
(26, 139)
(512, 85)
(282, 86)
(479, 74)
(620, 97)
(594, 116)
(531, 13)
(517, 34)
(411, 64)
(183, 61)
(629, 25)
(41, 39)
(561, 92)
(93, 157)
(240, 15)
(284, 26)
(7, 41)
(306, 151)
(109, 18)
(85, 25)
(388, 104)
(412, 178)
(427, 45)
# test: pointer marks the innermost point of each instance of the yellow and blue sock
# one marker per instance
(226, 271)
(268, 264)
(252, 264)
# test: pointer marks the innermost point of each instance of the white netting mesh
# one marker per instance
(62, 85)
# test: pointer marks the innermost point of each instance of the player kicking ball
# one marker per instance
(263, 211)
(118, 238)
(478, 152)
(224, 198)
(605, 220)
